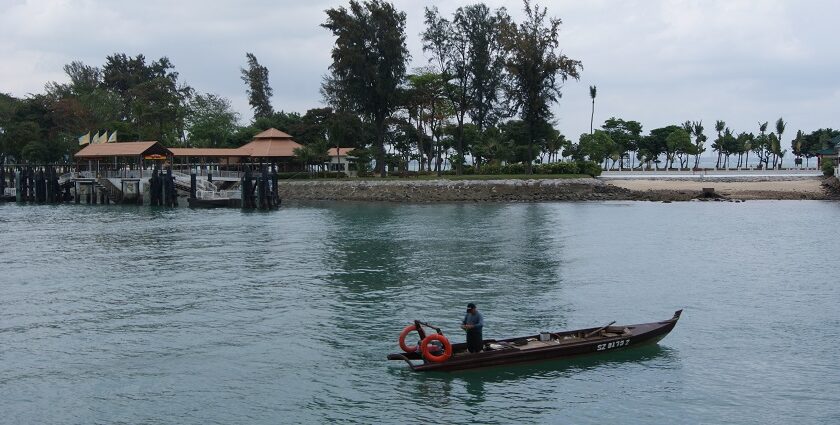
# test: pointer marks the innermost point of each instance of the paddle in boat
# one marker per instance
(436, 353)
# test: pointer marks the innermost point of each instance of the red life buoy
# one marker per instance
(447, 348)
(407, 348)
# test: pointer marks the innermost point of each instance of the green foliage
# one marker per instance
(211, 123)
(518, 138)
(677, 142)
(259, 90)
(483, 32)
(536, 67)
(369, 63)
(152, 100)
(576, 167)
(467, 53)
(827, 167)
(597, 146)
(313, 153)
(589, 167)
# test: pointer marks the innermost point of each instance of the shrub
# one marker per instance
(491, 169)
(828, 167)
(557, 168)
(517, 168)
(590, 167)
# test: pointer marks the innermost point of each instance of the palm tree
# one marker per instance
(762, 127)
(700, 139)
(780, 128)
(748, 148)
(593, 91)
(719, 126)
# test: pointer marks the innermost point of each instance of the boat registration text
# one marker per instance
(614, 344)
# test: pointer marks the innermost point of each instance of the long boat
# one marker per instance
(531, 348)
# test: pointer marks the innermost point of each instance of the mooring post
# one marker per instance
(192, 185)
(40, 187)
(50, 188)
(171, 196)
(261, 192)
(30, 185)
(24, 184)
(154, 189)
(18, 186)
(246, 189)
(275, 191)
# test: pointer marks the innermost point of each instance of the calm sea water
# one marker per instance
(135, 315)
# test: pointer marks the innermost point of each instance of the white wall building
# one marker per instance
(340, 160)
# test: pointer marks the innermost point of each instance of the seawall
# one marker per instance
(580, 189)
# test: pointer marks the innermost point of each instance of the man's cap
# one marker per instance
(470, 305)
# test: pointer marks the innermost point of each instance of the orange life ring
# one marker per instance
(447, 348)
(407, 348)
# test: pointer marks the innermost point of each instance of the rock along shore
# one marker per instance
(538, 190)
(581, 189)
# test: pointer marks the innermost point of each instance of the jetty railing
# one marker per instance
(203, 172)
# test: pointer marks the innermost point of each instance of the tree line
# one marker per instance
(484, 98)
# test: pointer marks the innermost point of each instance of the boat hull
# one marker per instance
(632, 336)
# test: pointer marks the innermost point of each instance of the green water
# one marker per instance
(135, 315)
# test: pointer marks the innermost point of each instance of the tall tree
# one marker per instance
(763, 146)
(483, 30)
(259, 90)
(433, 110)
(718, 143)
(677, 142)
(211, 122)
(699, 141)
(593, 91)
(536, 68)
(780, 129)
(154, 102)
(625, 134)
(369, 63)
(467, 52)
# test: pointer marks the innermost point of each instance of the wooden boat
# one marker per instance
(544, 346)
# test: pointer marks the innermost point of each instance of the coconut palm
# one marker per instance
(593, 91)
(719, 126)
(780, 128)
(700, 140)
(762, 128)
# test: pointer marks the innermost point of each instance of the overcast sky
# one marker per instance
(657, 62)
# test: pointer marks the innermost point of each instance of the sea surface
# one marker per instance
(138, 315)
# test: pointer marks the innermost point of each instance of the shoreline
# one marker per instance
(543, 190)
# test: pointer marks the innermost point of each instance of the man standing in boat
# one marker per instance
(473, 323)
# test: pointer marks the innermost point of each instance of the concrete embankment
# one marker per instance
(581, 189)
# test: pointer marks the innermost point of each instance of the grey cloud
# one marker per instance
(660, 62)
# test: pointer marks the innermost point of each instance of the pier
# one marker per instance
(147, 173)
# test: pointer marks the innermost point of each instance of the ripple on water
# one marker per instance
(113, 314)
